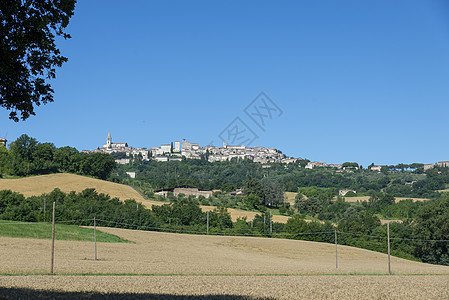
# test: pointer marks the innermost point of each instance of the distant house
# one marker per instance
(161, 158)
(3, 142)
(443, 164)
(237, 192)
(122, 161)
(314, 164)
(184, 189)
(131, 174)
(344, 192)
(376, 168)
(428, 166)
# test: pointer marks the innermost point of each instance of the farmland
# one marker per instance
(169, 253)
(37, 185)
(176, 264)
(234, 287)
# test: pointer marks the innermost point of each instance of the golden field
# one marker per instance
(170, 253)
(168, 264)
(38, 185)
(234, 287)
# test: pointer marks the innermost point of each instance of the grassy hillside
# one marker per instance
(62, 232)
(170, 253)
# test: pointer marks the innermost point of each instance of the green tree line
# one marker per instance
(26, 156)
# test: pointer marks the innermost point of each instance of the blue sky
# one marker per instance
(364, 81)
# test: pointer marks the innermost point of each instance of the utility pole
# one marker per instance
(388, 238)
(95, 237)
(45, 200)
(208, 222)
(264, 219)
(271, 223)
(251, 218)
(53, 240)
(336, 250)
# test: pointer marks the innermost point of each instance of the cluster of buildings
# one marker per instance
(229, 152)
(177, 150)
(439, 164)
(319, 164)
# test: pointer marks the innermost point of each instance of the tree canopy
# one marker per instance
(28, 52)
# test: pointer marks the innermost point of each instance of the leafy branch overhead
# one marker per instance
(28, 52)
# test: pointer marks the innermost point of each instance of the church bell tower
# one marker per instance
(109, 141)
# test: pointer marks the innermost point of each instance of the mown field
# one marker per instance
(37, 185)
(166, 265)
(226, 287)
(169, 253)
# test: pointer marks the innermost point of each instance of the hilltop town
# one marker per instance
(178, 150)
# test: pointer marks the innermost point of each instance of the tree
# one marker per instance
(21, 154)
(299, 201)
(273, 193)
(432, 223)
(253, 186)
(28, 52)
(251, 201)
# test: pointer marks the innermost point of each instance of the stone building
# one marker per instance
(113, 146)
(184, 189)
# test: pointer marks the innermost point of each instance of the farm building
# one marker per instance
(344, 192)
(184, 189)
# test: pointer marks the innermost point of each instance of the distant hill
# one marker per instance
(38, 185)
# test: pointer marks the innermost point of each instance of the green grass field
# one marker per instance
(62, 232)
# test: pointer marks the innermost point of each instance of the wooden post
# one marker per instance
(95, 237)
(45, 200)
(251, 218)
(208, 222)
(53, 240)
(388, 238)
(271, 223)
(336, 250)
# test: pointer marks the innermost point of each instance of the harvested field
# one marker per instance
(235, 287)
(170, 253)
(397, 199)
(167, 265)
(366, 198)
(38, 185)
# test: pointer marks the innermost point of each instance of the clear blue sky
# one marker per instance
(364, 81)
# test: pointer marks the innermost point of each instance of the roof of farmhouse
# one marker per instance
(171, 189)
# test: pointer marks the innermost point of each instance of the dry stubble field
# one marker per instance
(178, 264)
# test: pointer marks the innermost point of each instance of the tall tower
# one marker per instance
(109, 141)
